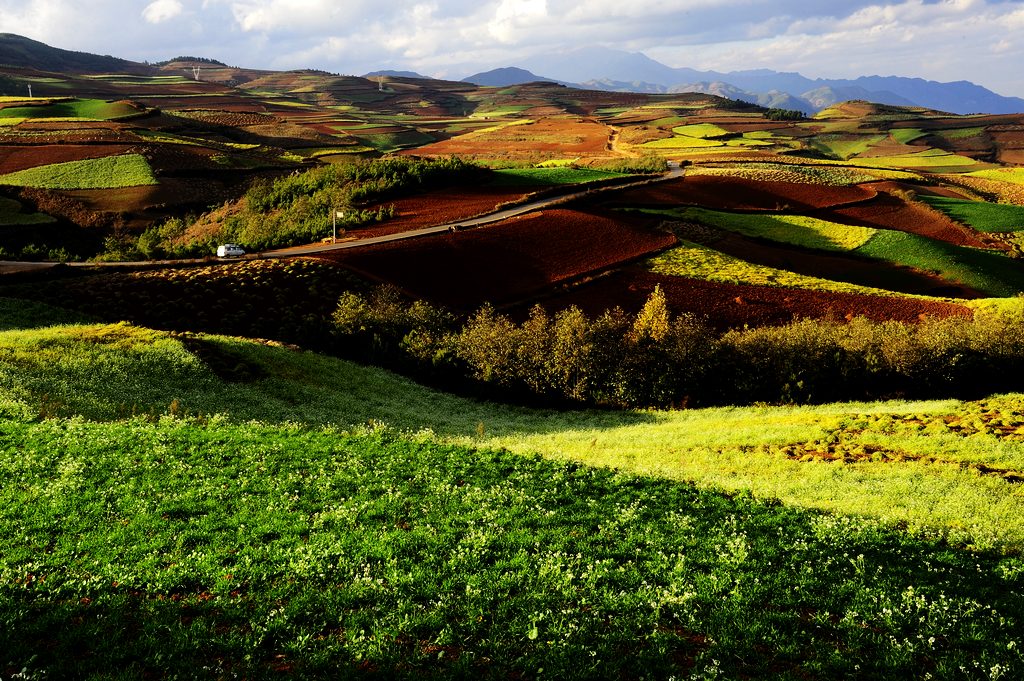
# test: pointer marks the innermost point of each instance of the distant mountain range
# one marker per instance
(602, 68)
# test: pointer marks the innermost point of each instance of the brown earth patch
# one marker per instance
(509, 261)
(568, 136)
(725, 306)
(736, 193)
(22, 157)
(441, 207)
(71, 133)
(889, 211)
(851, 453)
(1011, 156)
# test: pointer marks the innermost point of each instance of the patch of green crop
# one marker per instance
(88, 109)
(1011, 175)
(844, 146)
(700, 262)
(991, 273)
(798, 230)
(11, 213)
(498, 111)
(395, 140)
(515, 177)
(907, 135)
(702, 130)
(957, 134)
(980, 215)
(748, 142)
(682, 143)
(935, 160)
(126, 170)
(168, 138)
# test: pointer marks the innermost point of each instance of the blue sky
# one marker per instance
(977, 40)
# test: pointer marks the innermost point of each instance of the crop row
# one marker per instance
(127, 170)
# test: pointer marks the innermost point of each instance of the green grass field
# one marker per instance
(798, 230)
(1011, 175)
(88, 109)
(991, 273)
(907, 135)
(269, 511)
(111, 172)
(844, 146)
(701, 130)
(932, 160)
(682, 142)
(700, 262)
(980, 215)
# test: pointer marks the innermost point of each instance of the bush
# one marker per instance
(657, 360)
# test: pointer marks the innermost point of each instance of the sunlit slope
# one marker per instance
(946, 467)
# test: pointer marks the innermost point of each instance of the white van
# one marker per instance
(229, 251)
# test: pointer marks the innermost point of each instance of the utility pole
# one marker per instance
(334, 225)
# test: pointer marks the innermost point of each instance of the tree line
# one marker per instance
(656, 359)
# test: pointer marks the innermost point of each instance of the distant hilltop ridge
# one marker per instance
(600, 68)
(616, 70)
(22, 52)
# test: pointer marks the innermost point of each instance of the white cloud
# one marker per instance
(938, 39)
(513, 15)
(160, 11)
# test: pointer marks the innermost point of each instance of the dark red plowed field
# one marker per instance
(734, 193)
(22, 157)
(441, 207)
(726, 306)
(891, 212)
(510, 261)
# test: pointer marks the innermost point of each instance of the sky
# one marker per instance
(945, 40)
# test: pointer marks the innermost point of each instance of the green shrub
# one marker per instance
(655, 359)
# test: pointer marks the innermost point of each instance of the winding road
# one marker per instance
(675, 171)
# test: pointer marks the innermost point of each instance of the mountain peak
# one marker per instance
(505, 76)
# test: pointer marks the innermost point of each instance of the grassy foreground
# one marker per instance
(213, 507)
(219, 550)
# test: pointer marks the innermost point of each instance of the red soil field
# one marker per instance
(22, 157)
(734, 193)
(1010, 143)
(564, 136)
(442, 206)
(891, 212)
(507, 262)
(726, 306)
(73, 133)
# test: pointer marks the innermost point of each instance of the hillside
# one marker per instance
(353, 525)
(20, 52)
(772, 216)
